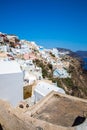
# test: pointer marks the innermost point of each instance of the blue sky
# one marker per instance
(51, 23)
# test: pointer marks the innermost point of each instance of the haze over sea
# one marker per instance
(51, 23)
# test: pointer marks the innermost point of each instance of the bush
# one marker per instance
(68, 82)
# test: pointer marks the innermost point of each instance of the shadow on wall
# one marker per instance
(78, 120)
(1, 127)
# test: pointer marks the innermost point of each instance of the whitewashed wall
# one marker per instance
(37, 96)
(11, 87)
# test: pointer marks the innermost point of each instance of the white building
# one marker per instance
(11, 82)
(55, 52)
(43, 88)
(29, 78)
(61, 73)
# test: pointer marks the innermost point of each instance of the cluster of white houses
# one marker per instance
(17, 68)
(12, 83)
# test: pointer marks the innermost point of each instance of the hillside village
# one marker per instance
(38, 65)
(34, 83)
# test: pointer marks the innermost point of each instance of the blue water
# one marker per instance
(85, 63)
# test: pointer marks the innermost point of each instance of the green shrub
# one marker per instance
(68, 82)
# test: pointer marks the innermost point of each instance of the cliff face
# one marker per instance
(77, 85)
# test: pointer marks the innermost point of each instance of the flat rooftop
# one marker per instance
(61, 110)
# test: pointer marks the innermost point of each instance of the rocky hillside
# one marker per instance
(77, 84)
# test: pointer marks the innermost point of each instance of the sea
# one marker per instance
(85, 63)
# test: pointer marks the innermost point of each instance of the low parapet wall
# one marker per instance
(41, 103)
(11, 119)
